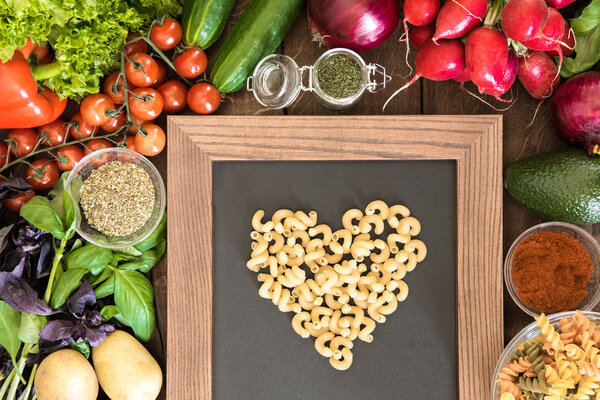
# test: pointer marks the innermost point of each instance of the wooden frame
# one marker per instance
(195, 143)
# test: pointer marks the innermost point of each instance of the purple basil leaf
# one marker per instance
(16, 263)
(5, 237)
(93, 317)
(17, 293)
(11, 187)
(46, 347)
(82, 298)
(58, 329)
(44, 261)
(95, 336)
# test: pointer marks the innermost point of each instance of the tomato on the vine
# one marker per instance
(15, 203)
(151, 141)
(203, 98)
(95, 109)
(139, 46)
(162, 75)
(141, 69)
(115, 123)
(113, 89)
(191, 63)
(80, 129)
(137, 123)
(145, 103)
(68, 156)
(128, 142)
(166, 35)
(3, 154)
(94, 145)
(174, 96)
(42, 174)
(25, 141)
(54, 133)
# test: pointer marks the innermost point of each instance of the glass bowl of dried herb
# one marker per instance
(120, 197)
(553, 267)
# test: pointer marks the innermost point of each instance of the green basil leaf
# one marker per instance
(97, 270)
(76, 244)
(132, 266)
(106, 273)
(587, 19)
(155, 237)
(151, 257)
(110, 312)
(30, 327)
(106, 288)
(134, 297)
(40, 213)
(72, 214)
(83, 347)
(10, 320)
(69, 282)
(56, 196)
(88, 257)
(128, 251)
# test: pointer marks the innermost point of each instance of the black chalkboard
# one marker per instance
(256, 353)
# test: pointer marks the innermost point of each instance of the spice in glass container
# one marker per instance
(117, 198)
(551, 271)
(339, 76)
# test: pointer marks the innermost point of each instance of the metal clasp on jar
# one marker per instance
(374, 70)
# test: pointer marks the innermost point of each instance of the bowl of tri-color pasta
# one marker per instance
(557, 355)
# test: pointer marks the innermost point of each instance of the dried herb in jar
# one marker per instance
(117, 198)
(340, 76)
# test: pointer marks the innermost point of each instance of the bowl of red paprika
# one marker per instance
(553, 267)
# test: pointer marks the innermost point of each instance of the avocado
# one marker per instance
(560, 186)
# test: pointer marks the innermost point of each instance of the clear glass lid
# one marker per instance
(276, 81)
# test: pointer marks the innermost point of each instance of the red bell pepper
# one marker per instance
(22, 105)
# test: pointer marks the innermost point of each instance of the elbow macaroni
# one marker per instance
(358, 275)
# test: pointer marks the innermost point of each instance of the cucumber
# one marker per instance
(204, 20)
(257, 34)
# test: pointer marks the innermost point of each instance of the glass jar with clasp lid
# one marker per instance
(277, 80)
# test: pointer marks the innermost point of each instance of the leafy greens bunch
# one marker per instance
(86, 35)
(586, 27)
(87, 285)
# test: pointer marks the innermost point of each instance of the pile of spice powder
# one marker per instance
(117, 198)
(551, 270)
(340, 76)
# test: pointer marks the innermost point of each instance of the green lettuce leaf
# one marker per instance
(587, 38)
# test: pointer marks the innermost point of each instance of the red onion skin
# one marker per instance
(359, 25)
(576, 111)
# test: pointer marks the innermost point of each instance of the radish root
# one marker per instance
(468, 11)
(535, 113)
(486, 102)
(407, 48)
(413, 80)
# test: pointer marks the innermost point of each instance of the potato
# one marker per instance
(66, 375)
(125, 369)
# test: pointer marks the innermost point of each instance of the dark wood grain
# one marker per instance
(475, 143)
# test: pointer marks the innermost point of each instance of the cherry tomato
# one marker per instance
(203, 98)
(191, 63)
(3, 154)
(15, 203)
(80, 129)
(141, 69)
(153, 142)
(115, 123)
(68, 156)
(114, 90)
(162, 75)
(94, 109)
(145, 103)
(139, 46)
(54, 133)
(128, 143)
(98, 144)
(166, 35)
(25, 141)
(173, 94)
(137, 123)
(42, 174)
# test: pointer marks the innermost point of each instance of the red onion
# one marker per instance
(576, 111)
(359, 25)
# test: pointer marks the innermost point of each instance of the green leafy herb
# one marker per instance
(134, 297)
(10, 320)
(83, 347)
(151, 257)
(587, 36)
(88, 257)
(41, 214)
(68, 282)
(30, 327)
(106, 288)
(155, 237)
(110, 312)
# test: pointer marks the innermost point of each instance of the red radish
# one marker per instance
(420, 12)
(419, 35)
(576, 111)
(552, 33)
(538, 74)
(510, 74)
(523, 20)
(487, 56)
(437, 61)
(459, 17)
(559, 3)
(463, 76)
(567, 43)
(359, 25)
